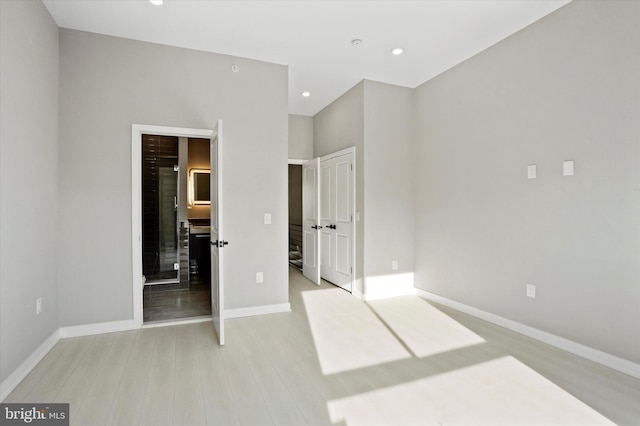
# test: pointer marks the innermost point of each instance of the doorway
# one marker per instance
(214, 136)
(295, 216)
(175, 228)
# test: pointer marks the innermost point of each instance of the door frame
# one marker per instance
(137, 130)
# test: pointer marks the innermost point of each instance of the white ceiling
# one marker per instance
(314, 37)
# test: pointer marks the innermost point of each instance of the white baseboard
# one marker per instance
(357, 293)
(257, 310)
(595, 355)
(18, 375)
(98, 328)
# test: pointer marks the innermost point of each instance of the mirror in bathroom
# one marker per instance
(199, 186)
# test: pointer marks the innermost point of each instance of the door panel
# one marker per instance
(325, 193)
(343, 192)
(310, 223)
(343, 254)
(217, 249)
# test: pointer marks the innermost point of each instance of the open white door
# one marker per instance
(217, 242)
(311, 220)
(336, 219)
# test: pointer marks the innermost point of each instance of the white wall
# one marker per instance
(566, 87)
(28, 179)
(108, 83)
(300, 137)
(338, 126)
(388, 189)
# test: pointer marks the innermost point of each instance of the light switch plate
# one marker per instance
(532, 171)
(259, 277)
(567, 168)
(267, 218)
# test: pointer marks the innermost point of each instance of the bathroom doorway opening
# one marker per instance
(175, 207)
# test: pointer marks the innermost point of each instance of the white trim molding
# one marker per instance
(98, 328)
(595, 355)
(13, 380)
(297, 161)
(257, 310)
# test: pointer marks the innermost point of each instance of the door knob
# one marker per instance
(317, 227)
(331, 226)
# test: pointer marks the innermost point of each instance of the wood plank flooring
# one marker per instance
(436, 367)
(164, 303)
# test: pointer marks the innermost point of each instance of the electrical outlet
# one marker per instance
(394, 265)
(267, 218)
(531, 291)
(38, 305)
(567, 168)
(532, 171)
(176, 266)
(259, 277)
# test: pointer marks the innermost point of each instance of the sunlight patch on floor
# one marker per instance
(503, 391)
(423, 328)
(347, 334)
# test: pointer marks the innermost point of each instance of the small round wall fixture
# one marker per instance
(397, 51)
(235, 68)
(356, 42)
(156, 2)
(306, 94)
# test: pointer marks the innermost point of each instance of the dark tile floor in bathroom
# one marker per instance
(164, 302)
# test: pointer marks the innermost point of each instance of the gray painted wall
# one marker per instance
(338, 126)
(108, 83)
(377, 119)
(300, 137)
(28, 179)
(388, 190)
(566, 87)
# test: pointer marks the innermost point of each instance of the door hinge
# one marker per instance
(352, 269)
(351, 167)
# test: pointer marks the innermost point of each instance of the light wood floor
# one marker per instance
(333, 360)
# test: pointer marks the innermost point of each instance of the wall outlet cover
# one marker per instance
(531, 291)
(567, 168)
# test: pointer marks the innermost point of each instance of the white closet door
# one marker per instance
(310, 220)
(336, 220)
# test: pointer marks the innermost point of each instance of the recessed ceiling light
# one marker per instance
(356, 42)
(306, 94)
(397, 51)
(156, 2)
